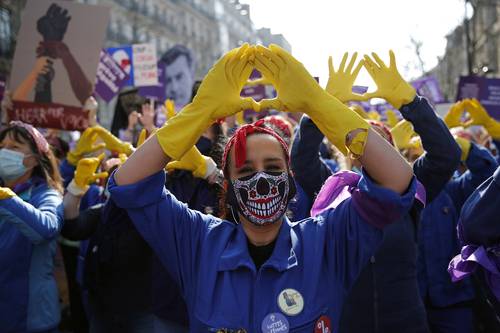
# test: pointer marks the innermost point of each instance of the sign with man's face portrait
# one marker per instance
(179, 74)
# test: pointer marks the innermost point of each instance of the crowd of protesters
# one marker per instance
(238, 216)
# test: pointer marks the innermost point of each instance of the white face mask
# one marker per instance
(11, 164)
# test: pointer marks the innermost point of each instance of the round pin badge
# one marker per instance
(323, 325)
(275, 323)
(290, 302)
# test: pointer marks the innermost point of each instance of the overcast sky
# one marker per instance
(319, 28)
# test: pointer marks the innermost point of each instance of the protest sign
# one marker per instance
(144, 62)
(428, 87)
(123, 57)
(110, 77)
(55, 62)
(486, 90)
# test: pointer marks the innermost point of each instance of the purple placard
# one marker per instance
(110, 77)
(2, 87)
(428, 86)
(486, 90)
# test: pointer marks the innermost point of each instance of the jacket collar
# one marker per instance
(236, 255)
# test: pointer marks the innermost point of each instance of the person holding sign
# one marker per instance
(257, 271)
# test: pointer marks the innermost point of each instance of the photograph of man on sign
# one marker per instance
(179, 72)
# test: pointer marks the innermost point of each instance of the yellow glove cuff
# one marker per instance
(76, 189)
(465, 146)
(403, 94)
(340, 125)
(493, 128)
(181, 132)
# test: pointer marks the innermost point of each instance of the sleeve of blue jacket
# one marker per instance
(442, 154)
(172, 230)
(177, 234)
(37, 224)
(355, 225)
(309, 171)
(479, 223)
(481, 165)
(67, 172)
(497, 146)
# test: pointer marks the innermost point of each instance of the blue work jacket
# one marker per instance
(29, 226)
(387, 291)
(438, 242)
(208, 257)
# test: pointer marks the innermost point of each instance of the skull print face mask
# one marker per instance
(262, 198)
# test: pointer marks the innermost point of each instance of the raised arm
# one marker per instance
(40, 221)
(217, 97)
(481, 165)
(309, 171)
(442, 155)
(298, 91)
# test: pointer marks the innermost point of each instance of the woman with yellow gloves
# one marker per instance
(30, 221)
(258, 272)
(386, 292)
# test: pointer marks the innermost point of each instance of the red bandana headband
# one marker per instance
(276, 122)
(384, 129)
(40, 141)
(239, 141)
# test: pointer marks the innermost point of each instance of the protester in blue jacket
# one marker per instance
(386, 291)
(259, 272)
(30, 221)
(449, 305)
(127, 286)
(479, 233)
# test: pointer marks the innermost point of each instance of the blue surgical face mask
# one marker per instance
(11, 164)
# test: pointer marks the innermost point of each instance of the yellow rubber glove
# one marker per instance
(112, 143)
(464, 145)
(6, 193)
(218, 97)
(359, 110)
(392, 119)
(402, 134)
(299, 91)
(201, 166)
(454, 115)
(390, 85)
(481, 117)
(85, 145)
(240, 118)
(85, 174)
(169, 108)
(374, 115)
(142, 137)
(122, 157)
(340, 82)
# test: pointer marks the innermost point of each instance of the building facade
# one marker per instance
(480, 48)
(208, 27)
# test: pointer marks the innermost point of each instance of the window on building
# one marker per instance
(5, 32)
